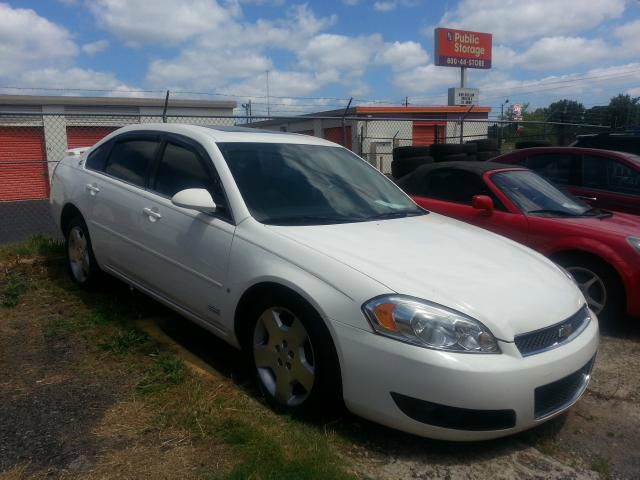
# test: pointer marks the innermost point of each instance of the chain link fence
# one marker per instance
(32, 144)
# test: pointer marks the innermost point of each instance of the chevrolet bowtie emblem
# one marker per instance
(564, 331)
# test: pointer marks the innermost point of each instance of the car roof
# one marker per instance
(476, 167)
(232, 133)
(413, 181)
(575, 150)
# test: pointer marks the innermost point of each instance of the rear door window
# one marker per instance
(130, 160)
(622, 179)
(556, 167)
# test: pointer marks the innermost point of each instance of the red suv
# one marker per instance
(603, 178)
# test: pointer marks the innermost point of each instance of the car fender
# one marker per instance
(592, 247)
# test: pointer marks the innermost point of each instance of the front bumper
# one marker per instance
(374, 367)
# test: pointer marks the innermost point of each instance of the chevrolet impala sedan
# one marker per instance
(337, 286)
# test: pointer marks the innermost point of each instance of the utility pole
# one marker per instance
(406, 101)
(247, 110)
(268, 100)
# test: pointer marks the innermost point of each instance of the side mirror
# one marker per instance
(196, 199)
(482, 202)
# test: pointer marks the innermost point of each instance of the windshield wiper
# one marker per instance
(396, 214)
(563, 213)
(596, 212)
(310, 220)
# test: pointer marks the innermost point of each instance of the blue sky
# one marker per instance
(318, 53)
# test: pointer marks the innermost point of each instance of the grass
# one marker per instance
(15, 286)
(125, 341)
(601, 465)
(38, 245)
(166, 370)
(98, 326)
(57, 328)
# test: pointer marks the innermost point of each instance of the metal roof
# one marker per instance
(112, 101)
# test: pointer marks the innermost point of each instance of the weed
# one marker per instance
(14, 288)
(601, 465)
(36, 245)
(57, 327)
(125, 341)
(167, 370)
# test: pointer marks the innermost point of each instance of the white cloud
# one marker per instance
(516, 20)
(634, 92)
(553, 53)
(402, 55)
(385, 6)
(95, 47)
(426, 78)
(72, 79)
(597, 84)
(328, 51)
(166, 22)
(28, 40)
(628, 35)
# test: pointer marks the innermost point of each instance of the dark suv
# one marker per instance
(604, 178)
(620, 142)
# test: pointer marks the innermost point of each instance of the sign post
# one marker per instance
(463, 49)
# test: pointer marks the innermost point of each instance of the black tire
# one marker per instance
(458, 157)
(444, 149)
(532, 144)
(470, 148)
(580, 266)
(486, 156)
(404, 166)
(485, 144)
(81, 262)
(326, 392)
(410, 151)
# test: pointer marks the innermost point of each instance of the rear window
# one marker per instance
(130, 160)
(98, 157)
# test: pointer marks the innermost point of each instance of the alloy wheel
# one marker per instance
(78, 251)
(592, 286)
(284, 357)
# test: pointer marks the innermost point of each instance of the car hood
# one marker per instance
(506, 286)
(622, 224)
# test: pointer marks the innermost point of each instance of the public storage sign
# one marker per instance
(460, 48)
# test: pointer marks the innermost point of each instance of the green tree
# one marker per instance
(565, 111)
(598, 115)
(624, 111)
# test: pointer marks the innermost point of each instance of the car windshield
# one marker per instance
(288, 184)
(534, 195)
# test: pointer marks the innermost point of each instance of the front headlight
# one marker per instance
(425, 324)
(635, 243)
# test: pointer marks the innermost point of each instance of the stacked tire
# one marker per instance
(454, 152)
(532, 144)
(487, 149)
(407, 159)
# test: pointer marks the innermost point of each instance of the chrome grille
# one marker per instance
(550, 337)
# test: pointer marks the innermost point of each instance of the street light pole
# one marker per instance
(501, 125)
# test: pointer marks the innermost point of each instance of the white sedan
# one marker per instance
(335, 283)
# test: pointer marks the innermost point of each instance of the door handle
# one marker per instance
(152, 214)
(92, 188)
(591, 199)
